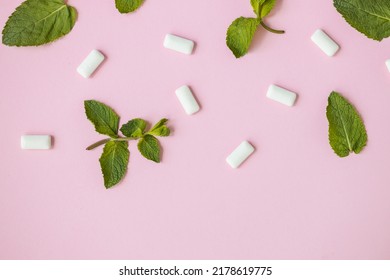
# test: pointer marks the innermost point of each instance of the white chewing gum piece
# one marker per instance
(240, 154)
(178, 44)
(325, 43)
(281, 95)
(35, 142)
(187, 100)
(90, 63)
(388, 64)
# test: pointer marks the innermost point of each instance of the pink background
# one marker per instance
(293, 199)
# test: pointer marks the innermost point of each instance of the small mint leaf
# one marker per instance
(160, 129)
(149, 147)
(347, 132)
(240, 34)
(128, 6)
(134, 128)
(105, 120)
(265, 6)
(114, 161)
(37, 22)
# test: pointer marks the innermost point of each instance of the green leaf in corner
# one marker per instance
(265, 6)
(105, 120)
(114, 161)
(160, 129)
(347, 132)
(240, 34)
(128, 6)
(134, 128)
(38, 22)
(149, 148)
(370, 17)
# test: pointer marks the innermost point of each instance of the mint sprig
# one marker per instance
(347, 132)
(240, 33)
(128, 6)
(38, 22)
(115, 157)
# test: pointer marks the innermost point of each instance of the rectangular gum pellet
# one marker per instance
(178, 44)
(281, 95)
(240, 154)
(324, 42)
(388, 64)
(35, 142)
(187, 100)
(90, 63)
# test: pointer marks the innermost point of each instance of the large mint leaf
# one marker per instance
(266, 7)
(114, 161)
(105, 120)
(128, 6)
(160, 129)
(240, 34)
(134, 128)
(370, 17)
(347, 132)
(149, 148)
(38, 22)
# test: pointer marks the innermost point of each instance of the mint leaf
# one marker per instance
(149, 148)
(160, 129)
(240, 34)
(347, 132)
(128, 6)
(265, 6)
(115, 157)
(370, 17)
(38, 22)
(134, 128)
(114, 161)
(105, 120)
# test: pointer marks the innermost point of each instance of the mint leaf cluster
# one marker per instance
(115, 157)
(128, 6)
(38, 22)
(370, 17)
(347, 132)
(240, 33)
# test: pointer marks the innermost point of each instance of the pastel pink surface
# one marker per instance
(293, 198)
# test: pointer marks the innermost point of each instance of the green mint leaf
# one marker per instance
(149, 148)
(160, 129)
(265, 6)
(105, 120)
(347, 132)
(128, 6)
(370, 17)
(134, 128)
(114, 161)
(38, 22)
(240, 34)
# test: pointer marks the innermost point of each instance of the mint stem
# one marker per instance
(271, 29)
(260, 18)
(124, 139)
(104, 141)
(98, 143)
